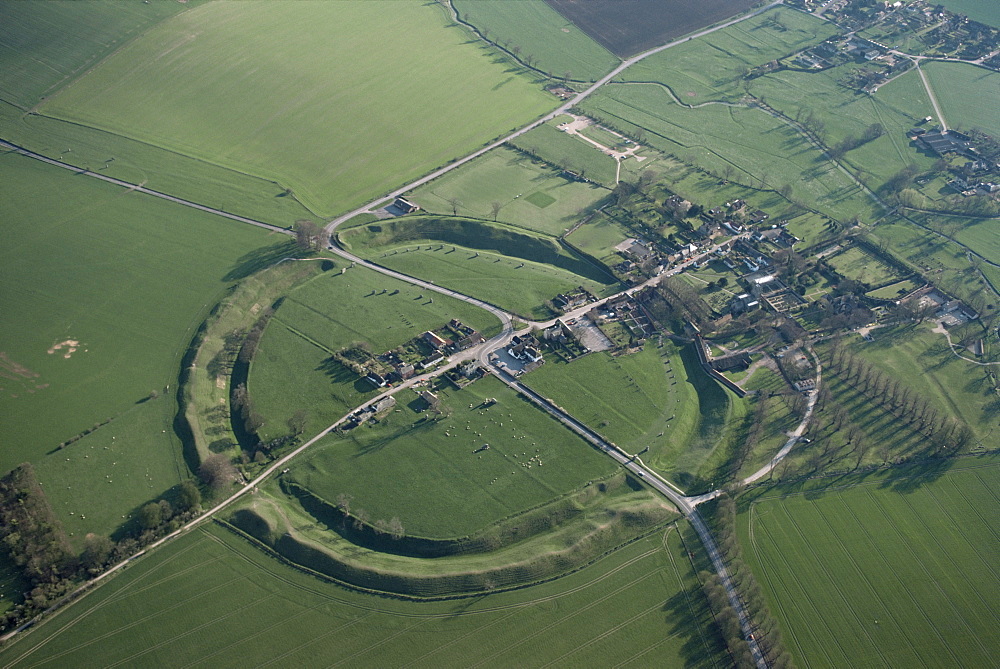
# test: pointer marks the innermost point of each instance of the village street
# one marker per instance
(482, 351)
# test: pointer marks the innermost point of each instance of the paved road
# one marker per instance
(562, 109)
(930, 94)
(796, 434)
(686, 505)
(633, 464)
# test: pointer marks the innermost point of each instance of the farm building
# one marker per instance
(405, 205)
(435, 340)
(430, 399)
(948, 141)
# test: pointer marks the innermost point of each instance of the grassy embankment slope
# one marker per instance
(510, 268)
(368, 121)
(895, 569)
(636, 605)
(658, 398)
(129, 278)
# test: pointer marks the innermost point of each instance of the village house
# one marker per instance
(434, 340)
(377, 380)
(405, 205)
(431, 400)
(404, 371)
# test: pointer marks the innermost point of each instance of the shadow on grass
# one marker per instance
(687, 617)
(262, 258)
(904, 478)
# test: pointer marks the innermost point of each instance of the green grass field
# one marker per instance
(633, 400)
(159, 169)
(599, 237)
(212, 599)
(572, 153)
(442, 487)
(895, 290)
(756, 145)
(532, 194)
(319, 111)
(984, 12)
(43, 45)
(128, 277)
(627, 399)
(855, 263)
(708, 68)
(929, 252)
(896, 107)
(293, 370)
(537, 30)
(979, 235)
(896, 569)
(921, 359)
(966, 94)
(520, 286)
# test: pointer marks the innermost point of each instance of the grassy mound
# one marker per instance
(476, 234)
(530, 548)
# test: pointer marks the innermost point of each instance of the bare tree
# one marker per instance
(495, 207)
(217, 471)
(307, 235)
(455, 204)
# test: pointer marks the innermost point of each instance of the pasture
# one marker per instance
(627, 399)
(857, 264)
(102, 267)
(444, 483)
(44, 45)
(966, 94)
(984, 12)
(293, 369)
(846, 113)
(647, 23)
(695, 185)
(568, 152)
(535, 29)
(921, 359)
(531, 195)
(637, 605)
(520, 286)
(896, 569)
(472, 257)
(977, 234)
(756, 148)
(319, 111)
(659, 398)
(599, 236)
(930, 252)
(162, 170)
(710, 67)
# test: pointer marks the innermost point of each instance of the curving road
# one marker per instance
(685, 504)
(562, 109)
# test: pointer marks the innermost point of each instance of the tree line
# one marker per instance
(764, 626)
(35, 542)
(946, 435)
